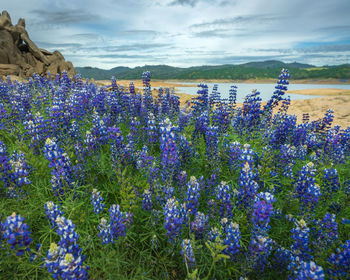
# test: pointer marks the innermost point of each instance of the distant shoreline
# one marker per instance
(264, 81)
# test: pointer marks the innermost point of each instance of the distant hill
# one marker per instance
(276, 64)
(252, 70)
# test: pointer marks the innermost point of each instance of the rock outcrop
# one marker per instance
(20, 56)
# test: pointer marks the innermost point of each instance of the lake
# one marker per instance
(266, 90)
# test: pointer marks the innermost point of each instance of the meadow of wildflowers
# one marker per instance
(110, 183)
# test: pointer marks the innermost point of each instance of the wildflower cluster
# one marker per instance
(209, 182)
(62, 177)
(17, 234)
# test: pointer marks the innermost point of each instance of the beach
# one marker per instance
(336, 99)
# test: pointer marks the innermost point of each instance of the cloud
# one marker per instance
(86, 37)
(248, 19)
(136, 47)
(64, 17)
(191, 3)
(325, 49)
(320, 48)
(220, 33)
(132, 56)
(140, 32)
(58, 45)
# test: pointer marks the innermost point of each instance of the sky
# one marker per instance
(186, 33)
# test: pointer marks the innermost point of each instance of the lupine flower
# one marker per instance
(340, 262)
(182, 179)
(96, 201)
(169, 160)
(37, 131)
(199, 224)
(146, 78)
(232, 239)
(192, 195)
(309, 270)
(201, 102)
(185, 150)
(286, 159)
(4, 162)
(262, 211)
(201, 125)
(250, 112)
(117, 145)
(151, 129)
(212, 143)
(300, 236)
(62, 177)
(99, 129)
(215, 235)
(247, 186)
(327, 231)
(187, 252)
(259, 250)
(105, 232)
(173, 220)
(233, 95)
(281, 88)
(330, 181)
(17, 234)
(147, 200)
(65, 260)
(307, 191)
(234, 153)
(90, 141)
(52, 212)
(144, 159)
(119, 221)
(3, 116)
(221, 117)
(224, 197)
(18, 175)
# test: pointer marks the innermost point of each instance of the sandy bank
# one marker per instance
(267, 81)
(317, 107)
(323, 91)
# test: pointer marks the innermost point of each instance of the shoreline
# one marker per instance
(182, 83)
(321, 91)
(264, 81)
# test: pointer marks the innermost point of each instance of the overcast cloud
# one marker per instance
(185, 33)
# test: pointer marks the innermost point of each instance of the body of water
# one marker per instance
(266, 90)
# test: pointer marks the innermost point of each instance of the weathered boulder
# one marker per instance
(22, 56)
(9, 69)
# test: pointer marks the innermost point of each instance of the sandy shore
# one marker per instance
(336, 99)
(268, 81)
(317, 107)
(323, 91)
